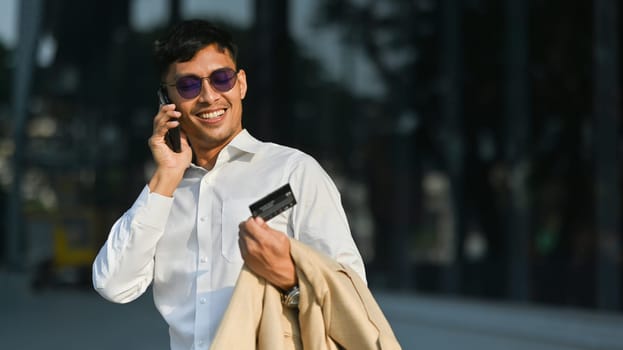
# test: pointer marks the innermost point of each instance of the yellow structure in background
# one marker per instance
(69, 252)
(67, 245)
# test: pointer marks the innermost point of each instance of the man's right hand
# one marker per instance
(170, 166)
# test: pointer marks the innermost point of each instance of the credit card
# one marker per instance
(274, 203)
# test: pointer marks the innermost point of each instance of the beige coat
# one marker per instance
(336, 311)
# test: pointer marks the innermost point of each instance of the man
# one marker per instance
(190, 230)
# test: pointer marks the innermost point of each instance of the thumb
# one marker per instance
(260, 221)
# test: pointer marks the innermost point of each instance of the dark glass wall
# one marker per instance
(475, 143)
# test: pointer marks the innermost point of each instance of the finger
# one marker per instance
(260, 222)
(245, 230)
(162, 114)
(165, 120)
(167, 107)
(249, 229)
(249, 223)
(161, 130)
(165, 113)
(248, 246)
(261, 226)
(242, 244)
(242, 226)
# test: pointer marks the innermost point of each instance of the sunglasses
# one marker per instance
(221, 80)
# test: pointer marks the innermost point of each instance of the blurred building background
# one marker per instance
(476, 143)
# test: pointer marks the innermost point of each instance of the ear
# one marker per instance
(242, 83)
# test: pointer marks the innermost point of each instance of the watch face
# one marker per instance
(292, 299)
(295, 300)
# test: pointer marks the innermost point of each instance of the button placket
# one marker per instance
(204, 207)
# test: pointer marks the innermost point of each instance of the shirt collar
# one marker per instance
(241, 143)
(245, 142)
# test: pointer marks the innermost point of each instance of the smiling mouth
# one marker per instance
(211, 115)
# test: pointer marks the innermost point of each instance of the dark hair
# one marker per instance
(184, 40)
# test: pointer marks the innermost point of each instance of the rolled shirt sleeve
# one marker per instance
(319, 219)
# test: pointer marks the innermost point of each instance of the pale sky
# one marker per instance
(8, 21)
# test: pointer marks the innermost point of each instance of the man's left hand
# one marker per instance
(267, 253)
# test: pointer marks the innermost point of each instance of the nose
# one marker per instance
(208, 94)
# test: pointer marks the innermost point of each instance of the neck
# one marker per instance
(207, 158)
(207, 154)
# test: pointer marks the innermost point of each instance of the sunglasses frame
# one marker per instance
(209, 78)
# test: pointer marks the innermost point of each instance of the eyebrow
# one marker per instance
(181, 75)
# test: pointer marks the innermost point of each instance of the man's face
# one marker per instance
(213, 118)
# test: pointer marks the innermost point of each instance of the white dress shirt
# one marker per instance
(188, 245)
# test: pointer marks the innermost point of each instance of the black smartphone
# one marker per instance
(172, 137)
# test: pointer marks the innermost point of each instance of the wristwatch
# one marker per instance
(291, 298)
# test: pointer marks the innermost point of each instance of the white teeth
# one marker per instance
(212, 115)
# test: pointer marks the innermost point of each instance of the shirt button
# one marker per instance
(204, 260)
(203, 301)
(202, 219)
(200, 343)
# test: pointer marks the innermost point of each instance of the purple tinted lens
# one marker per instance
(189, 86)
(223, 79)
